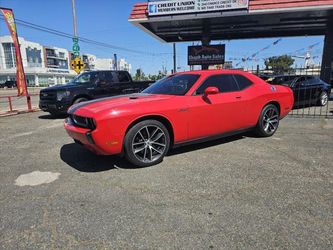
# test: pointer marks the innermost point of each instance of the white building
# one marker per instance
(123, 65)
(42, 65)
(45, 65)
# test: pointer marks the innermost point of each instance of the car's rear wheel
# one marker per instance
(146, 143)
(268, 121)
(323, 99)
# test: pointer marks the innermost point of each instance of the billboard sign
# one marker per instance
(206, 55)
(172, 7)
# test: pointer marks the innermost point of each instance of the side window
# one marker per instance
(225, 83)
(300, 82)
(101, 78)
(109, 77)
(243, 82)
(122, 77)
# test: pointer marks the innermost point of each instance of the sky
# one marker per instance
(107, 21)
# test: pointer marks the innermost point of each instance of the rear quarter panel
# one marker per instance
(263, 93)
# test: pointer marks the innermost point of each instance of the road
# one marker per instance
(241, 192)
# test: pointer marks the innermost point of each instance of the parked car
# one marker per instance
(8, 84)
(87, 86)
(308, 90)
(182, 108)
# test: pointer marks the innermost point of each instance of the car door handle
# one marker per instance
(238, 97)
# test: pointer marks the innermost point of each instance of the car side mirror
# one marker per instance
(211, 91)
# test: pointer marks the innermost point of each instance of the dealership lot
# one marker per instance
(239, 192)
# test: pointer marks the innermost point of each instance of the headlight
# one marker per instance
(62, 94)
(83, 122)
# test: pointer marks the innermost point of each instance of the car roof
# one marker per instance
(214, 71)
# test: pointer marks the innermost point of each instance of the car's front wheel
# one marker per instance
(146, 143)
(323, 98)
(268, 121)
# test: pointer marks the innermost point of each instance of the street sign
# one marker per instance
(76, 47)
(77, 65)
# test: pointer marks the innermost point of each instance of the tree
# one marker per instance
(279, 64)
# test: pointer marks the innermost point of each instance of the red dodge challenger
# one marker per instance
(179, 109)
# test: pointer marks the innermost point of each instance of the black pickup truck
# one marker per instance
(87, 86)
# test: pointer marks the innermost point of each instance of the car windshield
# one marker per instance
(173, 85)
(84, 78)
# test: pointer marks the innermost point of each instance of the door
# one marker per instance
(299, 90)
(215, 114)
(101, 84)
(122, 84)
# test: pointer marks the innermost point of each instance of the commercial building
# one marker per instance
(43, 65)
(46, 65)
(208, 20)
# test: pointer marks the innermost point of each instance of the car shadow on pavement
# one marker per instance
(83, 160)
(208, 144)
(51, 117)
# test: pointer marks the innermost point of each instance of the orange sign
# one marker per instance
(20, 76)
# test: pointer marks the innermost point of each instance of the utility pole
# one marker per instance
(174, 59)
(74, 18)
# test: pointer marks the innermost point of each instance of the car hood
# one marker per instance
(123, 102)
(61, 87)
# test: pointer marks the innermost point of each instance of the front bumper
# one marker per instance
(84, 137)
(54, 107)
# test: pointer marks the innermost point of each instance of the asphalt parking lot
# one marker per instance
(236, 193)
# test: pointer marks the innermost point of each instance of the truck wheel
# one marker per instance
(54, 114)
(78, 100)
(146, 143)
(268, 121)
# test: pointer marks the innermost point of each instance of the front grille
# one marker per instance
(47, 96)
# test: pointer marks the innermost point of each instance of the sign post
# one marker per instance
(20, 75)
(76, 63)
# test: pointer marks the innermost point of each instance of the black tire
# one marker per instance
(81, 99)
(54, 114)
(323, 98)
(149, 149)
(268, 121)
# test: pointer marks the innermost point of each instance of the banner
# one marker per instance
(172, 7)
(206, 55)
(20, 76)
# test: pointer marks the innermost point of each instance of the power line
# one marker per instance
(82, 39)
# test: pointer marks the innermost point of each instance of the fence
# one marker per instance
(313, 98)
(10, 104)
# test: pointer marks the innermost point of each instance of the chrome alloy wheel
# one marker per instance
(270, 120)
(149, 144)
(324, 99)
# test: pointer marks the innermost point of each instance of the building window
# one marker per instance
(62, 55)
(63, 64)
(31, 81)
(34, 57)
(10, 56)
(50, 53)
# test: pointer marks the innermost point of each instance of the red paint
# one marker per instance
(191, 117)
